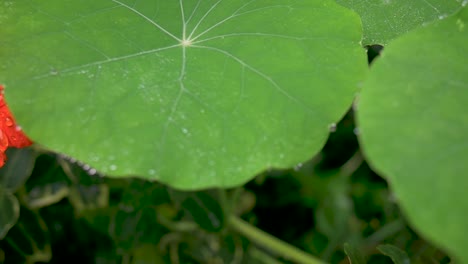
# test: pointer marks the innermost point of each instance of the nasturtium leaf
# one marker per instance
(18, 168)
(9, 208)
(413, 120)
(384, 20)
(191, 93)
(397, 255)
(355, 255)
(205, 211)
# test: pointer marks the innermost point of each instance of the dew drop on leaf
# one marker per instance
(298, 166)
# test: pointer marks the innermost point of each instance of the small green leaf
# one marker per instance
(147, 254)
(355, 256)
(195, 94)
(397, 255)
(9, 208)
(30, 237)
(48, 183)
(205, 211)
(384, 20)
(414, 128)
(130, 228)
(17, 169)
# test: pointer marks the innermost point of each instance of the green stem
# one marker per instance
(384, 232)
(262, 256)
(272, 243)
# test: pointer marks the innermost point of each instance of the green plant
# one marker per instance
(199, 94)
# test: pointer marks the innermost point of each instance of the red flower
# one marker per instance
(11, 135)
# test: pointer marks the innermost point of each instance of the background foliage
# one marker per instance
(332, 199)
(336, 206)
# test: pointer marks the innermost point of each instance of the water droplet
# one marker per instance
(298, 166)
(332, 127)
(18, 128)
(184, 130)
(86, 167)
(356, 131)
(92, 171)
(8, 122)
(151, 172)
(53, 72)
(113, 167)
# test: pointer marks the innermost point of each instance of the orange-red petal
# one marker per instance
(11, 135)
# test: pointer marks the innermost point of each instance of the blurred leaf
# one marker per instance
(141, 193)
(414, 128)
(46, 195)
(9, 208)
(355, 256)
(194, 94)
(48, 183)
(18, 168)
(30, 237)
(384, 20)
(89, 197)
(397, 255)
(147, 254)
(130, 229)
(205, 211)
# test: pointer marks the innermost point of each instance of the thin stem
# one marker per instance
(352, 165)
(384, 232)
(262, 256)
(272, 243)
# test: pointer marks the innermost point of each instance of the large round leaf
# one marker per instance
(384, 20)
(191, 93)
(414, 128)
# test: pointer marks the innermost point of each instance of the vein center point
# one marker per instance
(186, 42)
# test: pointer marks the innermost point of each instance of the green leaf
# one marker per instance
(195, 94)
(17, 170)
(30, 237)
(48, 183)
(147, 254)
(414, 128)
(355, 256)
(205, 211)
(9, 208)
(397, 255)
(130, 229)
(384, 20)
